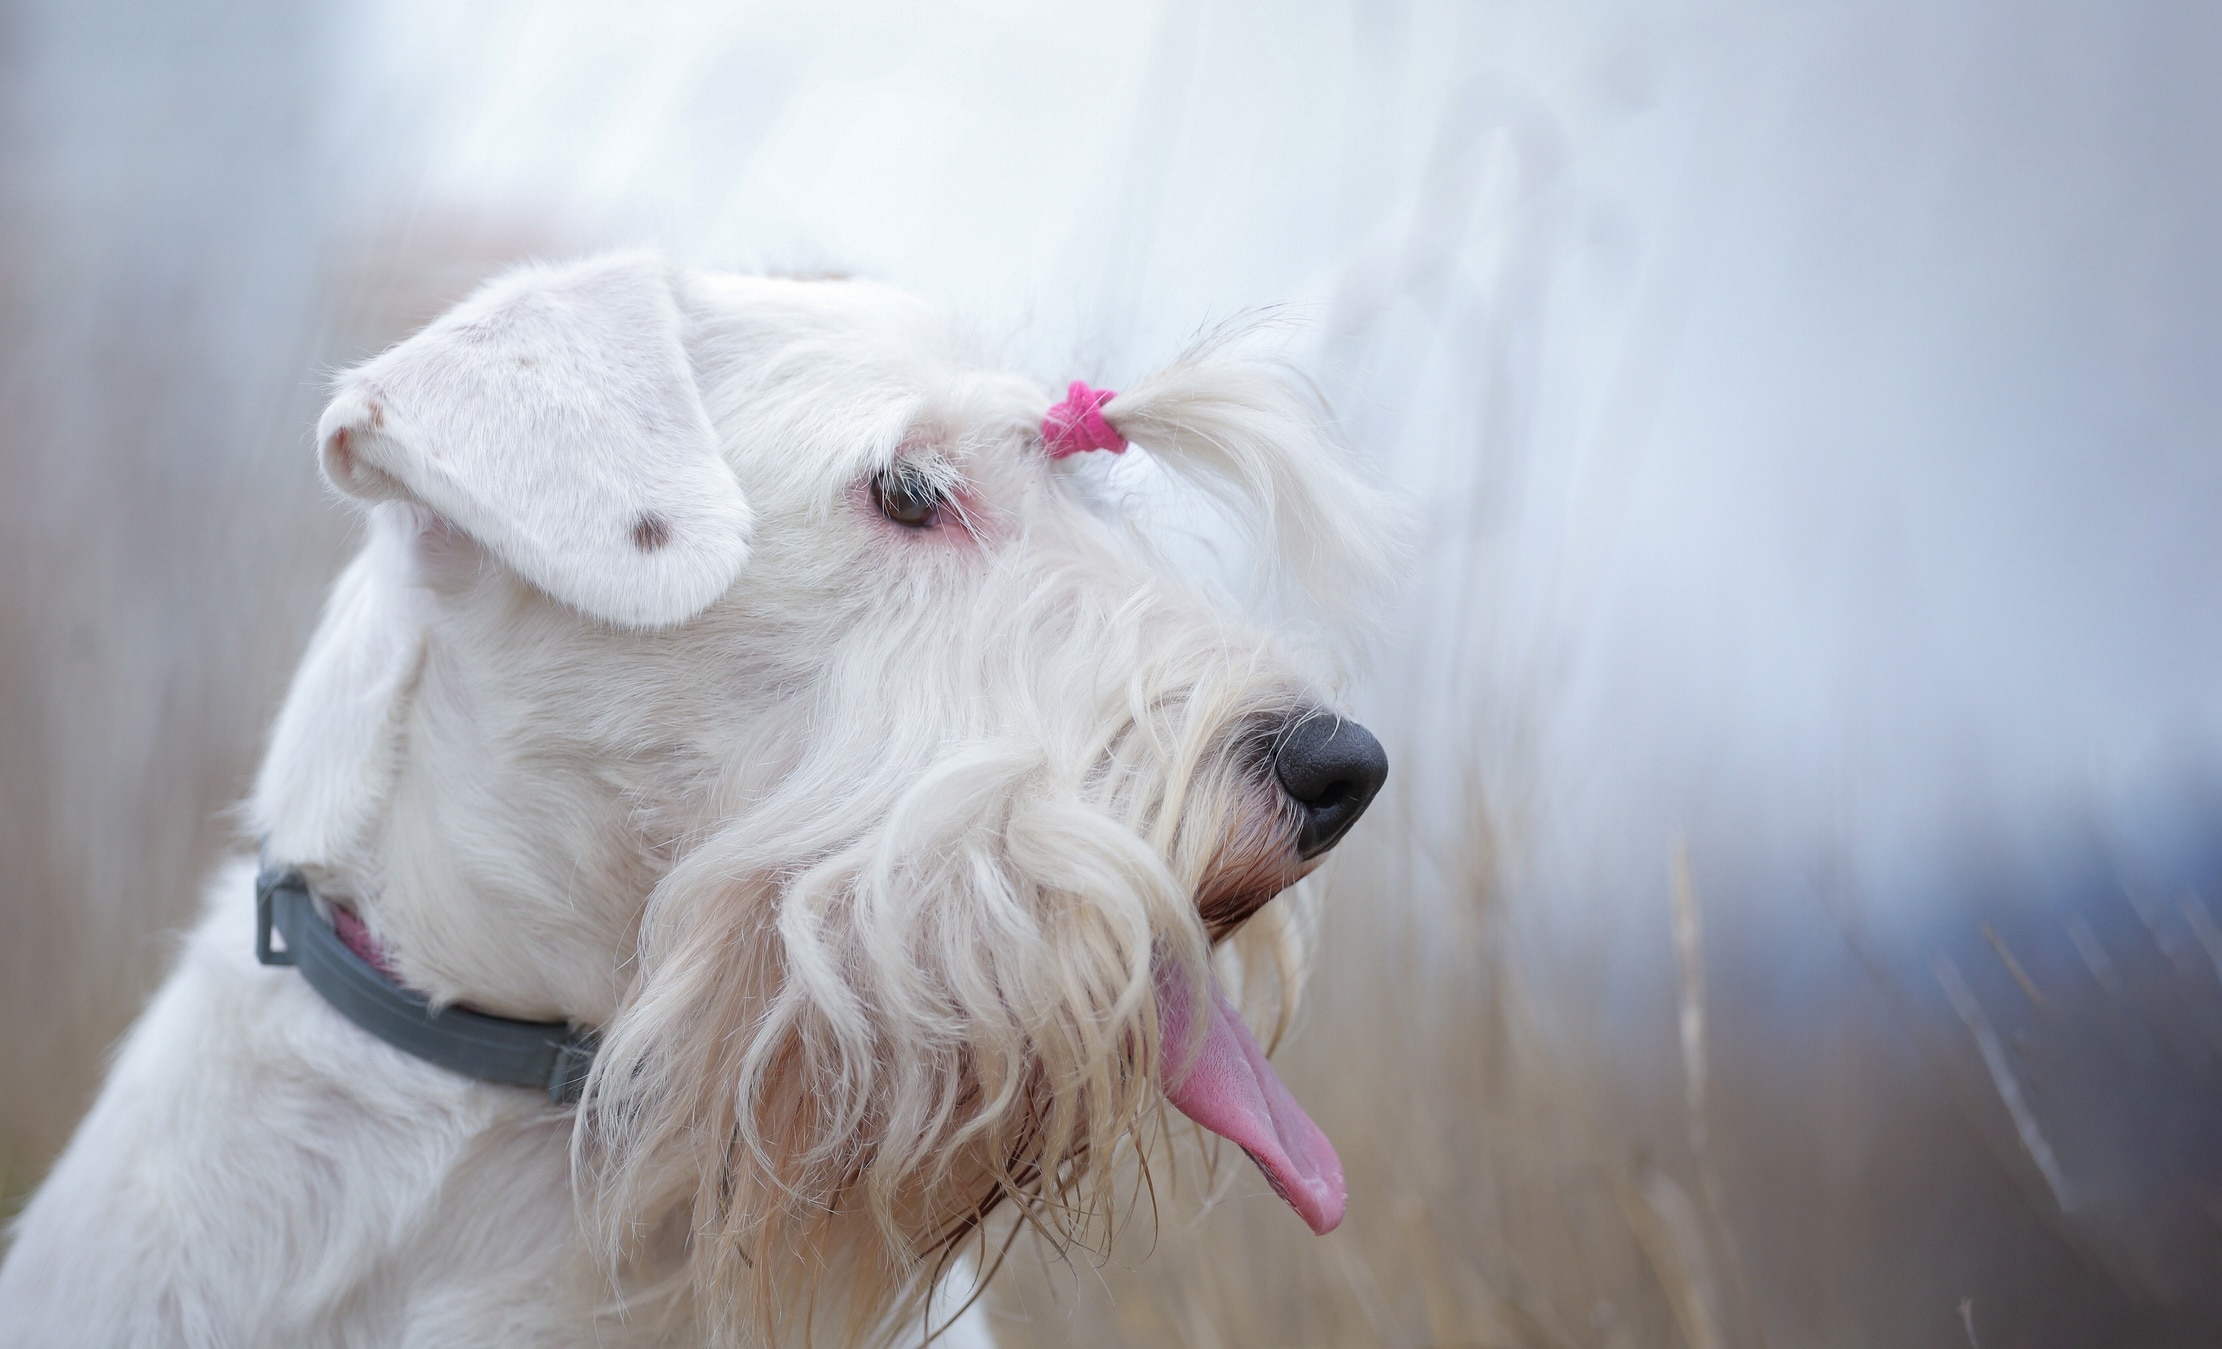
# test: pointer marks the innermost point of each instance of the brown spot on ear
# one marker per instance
(377, 415)
(343, 456)
(651, 532)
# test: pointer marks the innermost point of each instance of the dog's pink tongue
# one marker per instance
(1230, 1089)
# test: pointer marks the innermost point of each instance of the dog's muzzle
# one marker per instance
(1331, 768)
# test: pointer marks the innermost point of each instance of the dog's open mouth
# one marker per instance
(1228, 1087)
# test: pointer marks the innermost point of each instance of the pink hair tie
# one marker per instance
(1077, 424)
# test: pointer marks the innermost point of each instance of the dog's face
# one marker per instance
(732, 668)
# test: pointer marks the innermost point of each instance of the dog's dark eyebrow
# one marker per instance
(926, 456)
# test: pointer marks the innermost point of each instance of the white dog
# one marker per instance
(763, 702)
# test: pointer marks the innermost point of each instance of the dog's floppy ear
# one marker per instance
(553, 417)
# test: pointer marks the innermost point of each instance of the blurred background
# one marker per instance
(1796, 918)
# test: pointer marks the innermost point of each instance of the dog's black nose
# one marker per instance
(1331, 768)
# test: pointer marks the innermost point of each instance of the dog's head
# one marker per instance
(731, 668)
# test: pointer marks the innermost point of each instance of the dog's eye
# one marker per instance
(907, 497)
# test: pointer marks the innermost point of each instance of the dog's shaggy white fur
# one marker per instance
(867, 842)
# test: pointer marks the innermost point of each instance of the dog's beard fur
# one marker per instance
(913, 981)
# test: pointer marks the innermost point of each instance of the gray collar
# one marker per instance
(553, 1055)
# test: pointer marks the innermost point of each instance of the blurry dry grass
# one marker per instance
(1537, 1154)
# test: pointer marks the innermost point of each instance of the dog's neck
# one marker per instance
(508, 875)
(416, 774)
